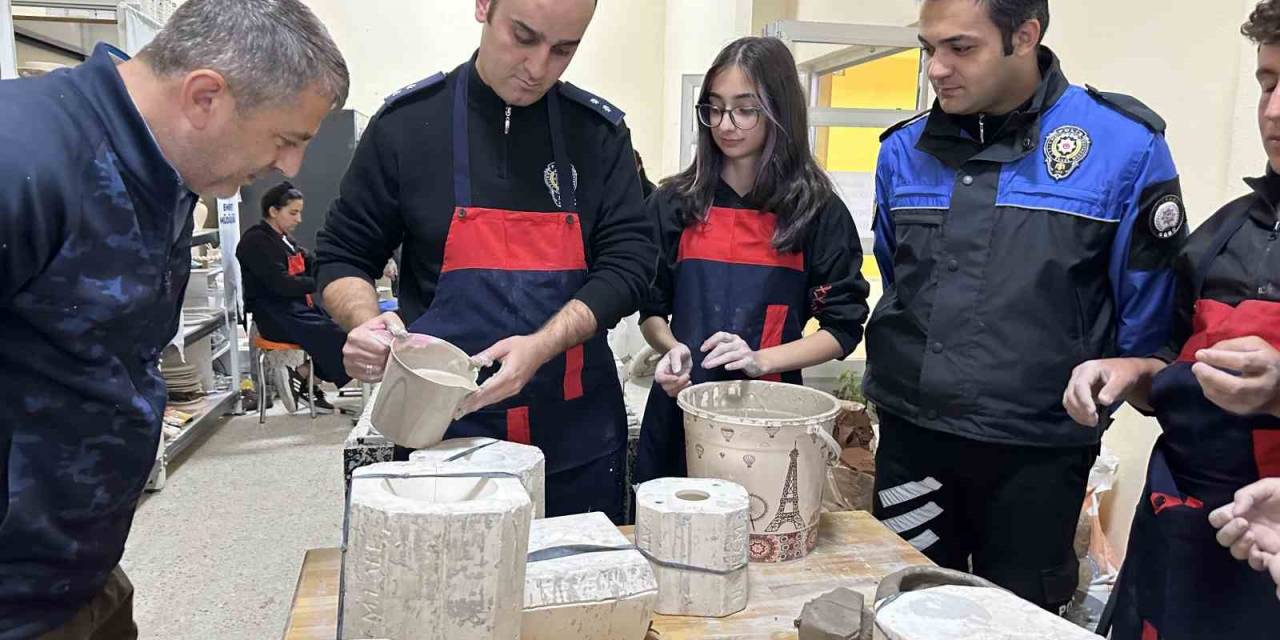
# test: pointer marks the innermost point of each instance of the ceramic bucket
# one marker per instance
(412, 410)
(775, 440)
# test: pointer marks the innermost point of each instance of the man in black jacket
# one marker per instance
(1023, 225)
(518, 205)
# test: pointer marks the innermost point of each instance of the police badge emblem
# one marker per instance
(552, 179)
(1064, 149)
(1167, 217)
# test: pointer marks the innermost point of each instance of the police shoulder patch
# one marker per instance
(1167, 217)
(1065, 148)
(593, 102)
(409, 90)
(891, 130)
(1131, 107)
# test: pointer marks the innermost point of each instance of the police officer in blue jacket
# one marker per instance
(1023, 225)
(99, 167)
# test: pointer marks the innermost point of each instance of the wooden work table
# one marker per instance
(854, 550)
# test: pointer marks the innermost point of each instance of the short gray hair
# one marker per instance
(268, 50)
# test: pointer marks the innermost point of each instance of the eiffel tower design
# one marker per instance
(789, 504)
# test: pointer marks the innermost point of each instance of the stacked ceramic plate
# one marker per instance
(181, 379)
(196, 316)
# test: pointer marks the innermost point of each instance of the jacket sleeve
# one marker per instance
(1152, 232)
(1183, 310)
(36, 215)
(837, 291)
(364, 225)
(665, 218)
(621, 252)
(886, 242)
(259, 256)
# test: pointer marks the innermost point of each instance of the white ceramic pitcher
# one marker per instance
(424, 381)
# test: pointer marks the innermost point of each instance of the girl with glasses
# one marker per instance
(754, 244)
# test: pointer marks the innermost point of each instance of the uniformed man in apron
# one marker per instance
(518, 204)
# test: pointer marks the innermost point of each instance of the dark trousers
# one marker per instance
(109, 616)
(308, 327)
(1007, 513)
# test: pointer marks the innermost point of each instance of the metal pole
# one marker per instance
(8, 49)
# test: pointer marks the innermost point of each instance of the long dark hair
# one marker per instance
(790, 183)
(279, 197)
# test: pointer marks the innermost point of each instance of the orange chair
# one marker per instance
(263, 346)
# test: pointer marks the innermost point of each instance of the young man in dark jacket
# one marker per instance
(1023, 225)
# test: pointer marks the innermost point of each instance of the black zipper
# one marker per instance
(1264, 285)
(982, 128)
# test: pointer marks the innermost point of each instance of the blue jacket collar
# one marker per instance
(131, 138)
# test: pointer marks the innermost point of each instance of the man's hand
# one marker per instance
(1250, 525)
(391, 271)
(521, 357)
(1273, 567)
(1255, 389)
(727, 350)
(1101, 383)
(364, 356)
(674, 369)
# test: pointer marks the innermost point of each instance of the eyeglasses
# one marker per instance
(744, 118)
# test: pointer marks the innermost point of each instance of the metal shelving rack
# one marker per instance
(216, 405)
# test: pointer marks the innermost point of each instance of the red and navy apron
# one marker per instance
(728, 277)
(297, 265)
(1178, 582)
(506, 273)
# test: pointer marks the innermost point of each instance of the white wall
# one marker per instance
(696, 30)
(391, 43)
(621, 59)
(1194, 87)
